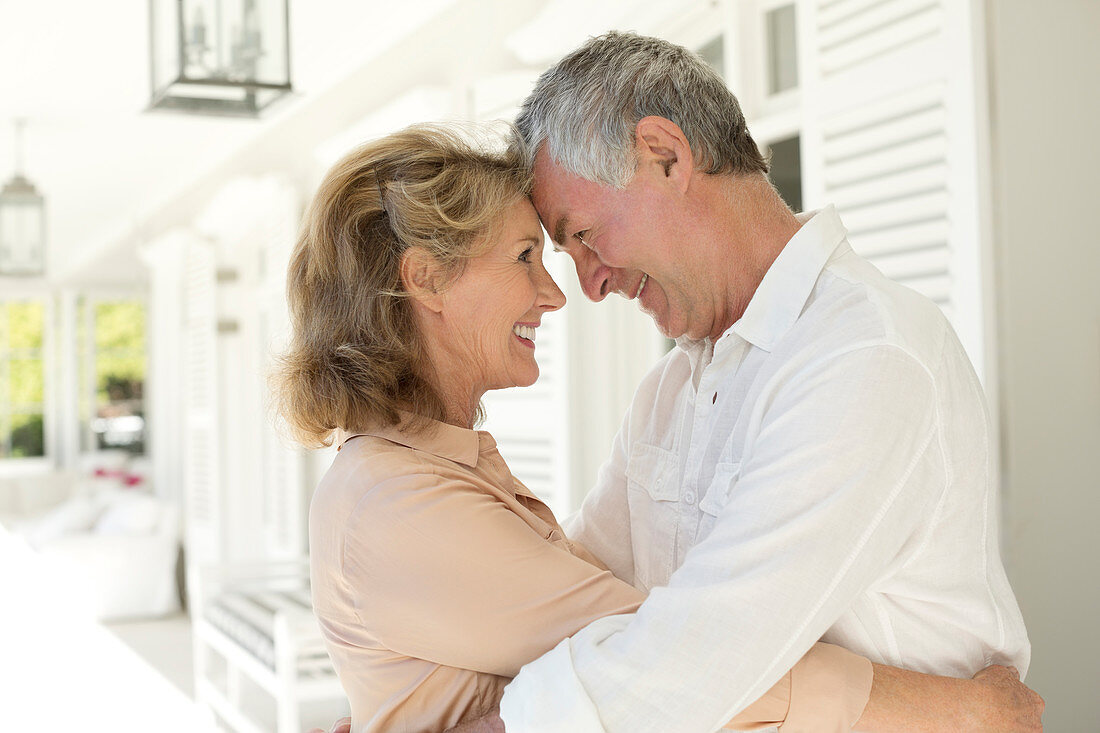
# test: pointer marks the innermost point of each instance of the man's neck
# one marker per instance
(753, 225)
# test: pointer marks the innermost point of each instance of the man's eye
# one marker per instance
(581, 236)
(525, 256)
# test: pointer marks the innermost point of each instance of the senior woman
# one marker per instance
(417, 285)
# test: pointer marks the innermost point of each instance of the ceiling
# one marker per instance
(78, 73)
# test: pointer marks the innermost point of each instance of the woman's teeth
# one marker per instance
(641, 285)
(525, 332)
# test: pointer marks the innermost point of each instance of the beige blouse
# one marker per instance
(436, 575)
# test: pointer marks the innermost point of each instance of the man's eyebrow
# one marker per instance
(559, 230)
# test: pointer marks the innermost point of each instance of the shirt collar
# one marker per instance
(451, 442)
(782, 294)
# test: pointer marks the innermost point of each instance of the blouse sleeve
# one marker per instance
(825, 691)
(442, 571)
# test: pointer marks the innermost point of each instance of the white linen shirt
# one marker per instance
(822, 471)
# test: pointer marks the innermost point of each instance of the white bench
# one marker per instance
(255, 623)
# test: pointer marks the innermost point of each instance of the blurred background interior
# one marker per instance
(155, 160)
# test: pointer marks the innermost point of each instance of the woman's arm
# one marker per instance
(445, 572)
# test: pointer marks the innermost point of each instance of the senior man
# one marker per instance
(811, 461)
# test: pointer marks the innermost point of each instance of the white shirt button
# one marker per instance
(689, 498)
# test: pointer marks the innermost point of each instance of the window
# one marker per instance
(22, 379)
(782, 50)
(786, 171)
(111, 334)
(714, 53)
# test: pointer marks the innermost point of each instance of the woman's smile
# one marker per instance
(525, 332)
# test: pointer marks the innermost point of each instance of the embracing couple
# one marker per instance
(797, 525)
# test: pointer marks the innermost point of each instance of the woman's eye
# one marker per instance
(526, 254)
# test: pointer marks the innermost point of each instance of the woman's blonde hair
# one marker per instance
(356, 357)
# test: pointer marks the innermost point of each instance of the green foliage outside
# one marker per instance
(120, 351)
(22, 380)
(28, 436)
(24, 325)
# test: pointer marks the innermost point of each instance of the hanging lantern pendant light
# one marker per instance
(222, 57)
(22, 221)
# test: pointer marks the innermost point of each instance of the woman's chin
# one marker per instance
(527, 379)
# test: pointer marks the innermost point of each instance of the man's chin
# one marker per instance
(664, 325)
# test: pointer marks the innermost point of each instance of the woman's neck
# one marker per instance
(460, 401)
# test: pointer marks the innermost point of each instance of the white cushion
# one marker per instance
(130, 512)
(78, 514)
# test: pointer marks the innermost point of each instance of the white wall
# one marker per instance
(1044, 105)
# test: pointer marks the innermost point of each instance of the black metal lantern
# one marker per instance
(220, 57)
(22, 222)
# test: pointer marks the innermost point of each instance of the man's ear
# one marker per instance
(660, 141)
(422, 277)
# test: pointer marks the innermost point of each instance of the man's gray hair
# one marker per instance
(585, 109)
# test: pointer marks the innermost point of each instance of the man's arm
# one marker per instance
(841, 472)
(910, 702)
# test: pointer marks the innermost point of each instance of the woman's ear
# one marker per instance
(422, 277)
(661, 142)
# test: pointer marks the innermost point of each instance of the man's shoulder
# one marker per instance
(854, 304)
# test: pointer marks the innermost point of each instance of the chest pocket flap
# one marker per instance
(720, 489)
(653, 470)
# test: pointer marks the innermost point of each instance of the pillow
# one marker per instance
(130, 513)
(78, 514)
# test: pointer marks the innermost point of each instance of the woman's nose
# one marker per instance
(550, 295)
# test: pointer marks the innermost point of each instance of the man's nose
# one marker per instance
(594, 276)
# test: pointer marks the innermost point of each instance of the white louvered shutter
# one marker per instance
(201, 475)
(282, 468)
(883, 120)
(253, 221)
(165, 260)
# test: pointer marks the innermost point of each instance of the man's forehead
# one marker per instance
(548, 196)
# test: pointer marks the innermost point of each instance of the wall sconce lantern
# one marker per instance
(219, 57)
(22, 221)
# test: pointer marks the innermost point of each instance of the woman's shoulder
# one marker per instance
(375, 486)
(370, 470)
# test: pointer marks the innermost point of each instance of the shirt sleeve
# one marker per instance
(841, 473)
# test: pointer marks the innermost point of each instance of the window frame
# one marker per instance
(85, 355)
